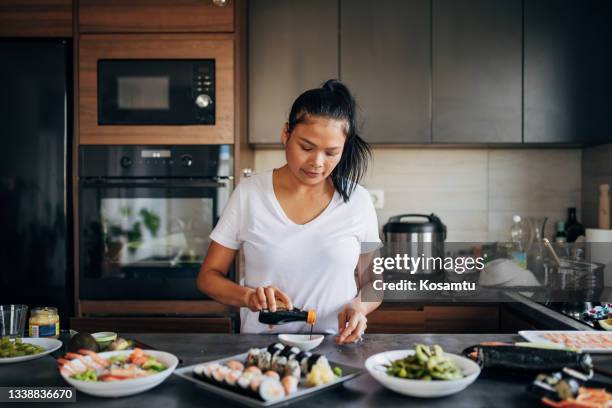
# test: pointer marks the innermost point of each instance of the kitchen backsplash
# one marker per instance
(596, 170)
(474, 191)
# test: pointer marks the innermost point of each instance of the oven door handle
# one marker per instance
(109, 183)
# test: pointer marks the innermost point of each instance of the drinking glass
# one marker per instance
(12, 320)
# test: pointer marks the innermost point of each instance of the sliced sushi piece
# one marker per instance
(254, 385)
(219, 373)
(270, 389)
(302, 358)
(243, 385)
(290, 352)
(264, 360)
(314, 359)
(231, 378)
(198, 371)
(293, 369)
(252, 370)
(272, 374)
(275, 348)
(290, 384)
(208, 369)
(235, 365)
(252, 357)
(278, 363)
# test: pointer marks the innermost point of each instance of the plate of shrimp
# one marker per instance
(116, 373)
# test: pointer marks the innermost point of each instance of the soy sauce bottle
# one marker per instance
(283, 316)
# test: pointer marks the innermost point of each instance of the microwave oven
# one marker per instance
(156, 91)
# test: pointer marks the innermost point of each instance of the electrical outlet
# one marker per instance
(378, 198)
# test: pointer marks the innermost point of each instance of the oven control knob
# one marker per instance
(187, 160)
(126, 162)
(203, 101)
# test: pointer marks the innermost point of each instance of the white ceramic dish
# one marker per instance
(418, 388)
(302, 341)
(50, 345)
(124, 388)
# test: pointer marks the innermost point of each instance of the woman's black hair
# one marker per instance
(334, 100)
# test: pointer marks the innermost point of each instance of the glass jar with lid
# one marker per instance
(44, 322)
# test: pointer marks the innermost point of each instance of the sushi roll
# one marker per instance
(290, 352)
(198, 371)
(252, 357)
(243, 385)
(255, 382)
(264, 360)
(207, 370)
(231, 378)
(302, 358)
(272, 374)
(293, 369)
(314, 359)
(275, 348)
(235, 365)
(270, 389)
(252, 370)
(219, 373)
(290, 384)
(278, 363)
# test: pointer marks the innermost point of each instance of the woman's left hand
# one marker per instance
(352, 322)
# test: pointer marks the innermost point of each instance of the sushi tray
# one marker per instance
(269, 376)
(587, 341)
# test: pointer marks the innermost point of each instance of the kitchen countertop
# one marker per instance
(362, 391)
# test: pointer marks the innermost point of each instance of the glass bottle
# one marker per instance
(44, 322)
(573, 229)
(287, 316)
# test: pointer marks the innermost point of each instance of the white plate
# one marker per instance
(301, 341)
(50, 345)
(123, 388)
(418, 388)
(537, 336)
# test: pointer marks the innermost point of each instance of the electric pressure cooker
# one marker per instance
(417, 235)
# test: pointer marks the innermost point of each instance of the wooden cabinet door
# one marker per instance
(568, 61)
(36, 18)
(462, 319)
(146, 46)
(155, 16)
(396, 320)
(385, 60)
(293, 46)
(477, 64)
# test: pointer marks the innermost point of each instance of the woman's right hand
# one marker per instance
(265, 298)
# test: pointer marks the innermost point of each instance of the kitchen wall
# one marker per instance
(474, 191)
(596, 170)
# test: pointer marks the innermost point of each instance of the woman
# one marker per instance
(304, 227)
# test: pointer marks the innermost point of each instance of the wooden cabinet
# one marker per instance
(385, 59)
(153, 324)
(567, 71)
(477, 63)
(94, 47)
(293, 46)
(160, 16)
(36, 18)
(391, 318)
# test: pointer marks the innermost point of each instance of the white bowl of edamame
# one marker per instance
(445, 374)
(21, 350)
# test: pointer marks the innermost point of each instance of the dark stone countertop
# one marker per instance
(362, 391)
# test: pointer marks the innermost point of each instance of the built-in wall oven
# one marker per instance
(146, 213)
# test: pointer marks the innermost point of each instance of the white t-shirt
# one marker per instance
(314, 263)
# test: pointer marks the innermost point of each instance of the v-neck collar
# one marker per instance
(284, 215)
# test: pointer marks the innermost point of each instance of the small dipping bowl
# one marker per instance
(301, 341)
(104, 339)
